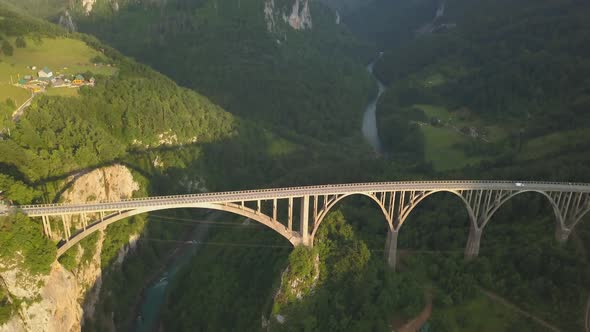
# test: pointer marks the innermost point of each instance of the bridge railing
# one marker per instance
(306, 189)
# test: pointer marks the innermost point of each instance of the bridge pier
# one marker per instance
(391, 248)
(304, 221)
(473, 242)
(46, 226)
(562, 233)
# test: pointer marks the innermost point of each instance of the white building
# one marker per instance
(45, 73)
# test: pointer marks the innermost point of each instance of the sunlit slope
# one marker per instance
(130, 107)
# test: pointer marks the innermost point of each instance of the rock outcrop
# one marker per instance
(53, 305)
(297, 16)
(293, 288)
(300, 17)
(53, 302)
(107, 183)
(66, 22)
(89, 5)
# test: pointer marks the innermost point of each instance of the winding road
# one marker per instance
(19, 111)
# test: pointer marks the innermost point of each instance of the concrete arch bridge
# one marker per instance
(297, 212)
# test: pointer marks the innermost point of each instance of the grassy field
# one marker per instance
(18, 95)
(279, 146)
(62, 55)
(463, 118)
(62, 92)
(480, 313)
(434, 80)
(45, 8)
(483, 315)
(441, 142)
(552, 143)
(433, 111)
(440, 148)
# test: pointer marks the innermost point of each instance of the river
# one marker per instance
(369, 128)
(154, 295)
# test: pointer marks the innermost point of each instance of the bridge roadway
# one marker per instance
(283, 193)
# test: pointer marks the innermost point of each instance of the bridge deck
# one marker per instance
(282, 193)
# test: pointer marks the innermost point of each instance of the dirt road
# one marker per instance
(416, 323)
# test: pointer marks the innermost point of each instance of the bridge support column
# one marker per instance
(391, 248)
(562, 233)
(304, 221)
(473, 242)
(67, 231)
(46, 226)
(290, 217)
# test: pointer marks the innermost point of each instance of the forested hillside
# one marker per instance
(506, 74)
(307, 79)
(388, 24)
(136, 109)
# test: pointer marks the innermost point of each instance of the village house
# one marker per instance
(48, 78)
(78, 80)
(58, 83)
(45, 73)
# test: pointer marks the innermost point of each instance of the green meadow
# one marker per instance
(442, 150)
(62, 92)
(61, 55)
(484, 315)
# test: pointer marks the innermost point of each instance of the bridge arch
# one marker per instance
(293, 237)
(562, 228)
(394, 222)
(483, 220)
(324, 212)
(554, 206)
(411, 208)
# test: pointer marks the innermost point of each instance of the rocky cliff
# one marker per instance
(58, 301)
(50, 303)
(295, 13)
(298, 15)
